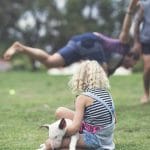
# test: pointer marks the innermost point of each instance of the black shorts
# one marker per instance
(146, 48)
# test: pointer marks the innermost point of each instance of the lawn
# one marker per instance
(37, 95)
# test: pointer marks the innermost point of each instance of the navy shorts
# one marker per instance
(82, 47)
(145, 48)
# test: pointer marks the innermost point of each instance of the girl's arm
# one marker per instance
(80, 105)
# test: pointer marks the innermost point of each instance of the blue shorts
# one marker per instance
(83, 47)
(90, 140)
(101, 140)
(146, 48)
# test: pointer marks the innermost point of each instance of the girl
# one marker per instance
(94, 115)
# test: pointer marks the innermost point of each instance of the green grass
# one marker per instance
(38, 95)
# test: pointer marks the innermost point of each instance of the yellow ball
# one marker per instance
(12, 92)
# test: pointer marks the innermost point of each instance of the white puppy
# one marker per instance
(57, 131)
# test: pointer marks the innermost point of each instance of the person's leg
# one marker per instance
(65, 144)
(63, 112)
(146, 78)
(49, 61)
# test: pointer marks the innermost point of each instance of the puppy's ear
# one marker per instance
(45, 126)
(62, 124)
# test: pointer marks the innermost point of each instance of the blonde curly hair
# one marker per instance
(90, 74)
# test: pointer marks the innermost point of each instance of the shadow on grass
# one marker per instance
(129, 146)
(132, 128)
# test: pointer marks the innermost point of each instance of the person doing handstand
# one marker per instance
(110, 53)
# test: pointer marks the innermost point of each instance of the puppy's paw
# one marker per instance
(42, 147)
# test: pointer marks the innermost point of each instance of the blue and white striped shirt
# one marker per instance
(97, 114)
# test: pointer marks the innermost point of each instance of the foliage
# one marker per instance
(45, 25)
(37, 95)
(54, 26)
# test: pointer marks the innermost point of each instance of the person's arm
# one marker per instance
(138, 20)
(80, 104)
(105, 67)
(124, 35)
(136, 31)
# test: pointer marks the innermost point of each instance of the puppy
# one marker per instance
(57, 131)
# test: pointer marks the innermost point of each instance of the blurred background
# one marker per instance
(48, 24)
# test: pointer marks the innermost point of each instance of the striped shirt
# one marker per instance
(97, 114)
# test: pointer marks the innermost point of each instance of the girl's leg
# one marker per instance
(63, 112)
(65, 144)
(49, 61)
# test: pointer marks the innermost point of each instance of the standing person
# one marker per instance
(110, 53)
(94, 114)
(142, 41)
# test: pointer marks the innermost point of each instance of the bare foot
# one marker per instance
(12, 50)
(144, 99)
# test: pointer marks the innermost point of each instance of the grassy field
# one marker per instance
(37, 95)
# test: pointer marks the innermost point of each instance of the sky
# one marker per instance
(60, 3)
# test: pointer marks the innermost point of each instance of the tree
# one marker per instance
(43, 24)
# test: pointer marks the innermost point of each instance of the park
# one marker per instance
(37, 95)
(30, 94)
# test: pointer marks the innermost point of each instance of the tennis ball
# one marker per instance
(12, 92)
